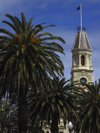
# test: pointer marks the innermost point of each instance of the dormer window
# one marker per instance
(82, 60)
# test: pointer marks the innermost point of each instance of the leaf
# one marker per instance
(53, 108)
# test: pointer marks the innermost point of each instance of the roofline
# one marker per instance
(78, 49)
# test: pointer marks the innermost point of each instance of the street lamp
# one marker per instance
(70, 126)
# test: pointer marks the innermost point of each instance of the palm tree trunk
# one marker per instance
(22, 111)
(54, 124)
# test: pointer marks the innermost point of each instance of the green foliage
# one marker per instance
(27, 57)
(89, 108)
(35, 129)
(57, 104)
(8, 114)
(28, 54)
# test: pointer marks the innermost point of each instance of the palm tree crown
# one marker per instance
(89, 108)
(59, 103)
(28, 54)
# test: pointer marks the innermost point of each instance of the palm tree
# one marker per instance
(89, 109)
(59, 103)
(27, 57)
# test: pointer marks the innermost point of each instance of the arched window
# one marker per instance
(82, 60)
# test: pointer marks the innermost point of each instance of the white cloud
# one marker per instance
(42, 4)
(39, 4)
(6, 4)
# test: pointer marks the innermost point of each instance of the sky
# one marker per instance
(64, 15)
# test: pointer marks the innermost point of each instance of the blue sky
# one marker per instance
(64, 15)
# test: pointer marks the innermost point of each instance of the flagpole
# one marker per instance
(81, 16)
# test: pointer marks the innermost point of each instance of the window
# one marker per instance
(82, 60)
(83, 80)
(47, 131)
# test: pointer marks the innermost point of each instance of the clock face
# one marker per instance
(83, 80)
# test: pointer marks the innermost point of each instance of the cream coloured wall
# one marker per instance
(78, 71)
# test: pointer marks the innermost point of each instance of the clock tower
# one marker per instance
(82, 70)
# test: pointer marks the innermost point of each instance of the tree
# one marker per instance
(59, 103)
(89, 109)
(8, 115)
(27, 57)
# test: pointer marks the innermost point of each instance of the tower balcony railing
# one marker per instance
(79, 28)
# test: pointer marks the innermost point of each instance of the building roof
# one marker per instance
(81, 41)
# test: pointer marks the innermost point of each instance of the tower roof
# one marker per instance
(81, 40)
